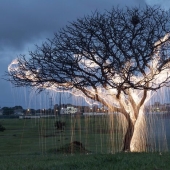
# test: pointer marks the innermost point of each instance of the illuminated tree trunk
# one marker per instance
(135, 139)
(128, 135)
(139, 139)
(135, 136)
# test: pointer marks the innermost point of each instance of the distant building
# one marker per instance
(18, 112)
(68, 110)
(158, 107)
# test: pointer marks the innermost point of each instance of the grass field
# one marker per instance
(118, 161)
(96, 133)
(33, 143)
(30, 136)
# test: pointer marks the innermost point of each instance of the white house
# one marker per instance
(68, 110)
(18, 112)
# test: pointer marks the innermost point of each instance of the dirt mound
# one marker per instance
(71, 148)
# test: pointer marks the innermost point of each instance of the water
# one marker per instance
(159, 132)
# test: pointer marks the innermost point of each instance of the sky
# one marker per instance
(26, 23)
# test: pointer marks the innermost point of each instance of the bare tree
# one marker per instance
(108, 57)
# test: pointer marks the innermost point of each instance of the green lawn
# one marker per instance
(98, 134)
(29, 144)
(29, 136)
(119, 161)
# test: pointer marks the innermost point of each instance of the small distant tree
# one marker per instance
(8, 111)
(2, 128)
(60, 125)
(17, 107)
(108, 57)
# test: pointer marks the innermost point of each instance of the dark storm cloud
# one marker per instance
(26, 21)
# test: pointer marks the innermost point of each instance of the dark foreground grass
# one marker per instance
(119, 161)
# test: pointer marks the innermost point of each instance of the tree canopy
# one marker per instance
(108, 50)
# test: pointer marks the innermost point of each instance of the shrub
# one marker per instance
(60, 125)
(2, 128)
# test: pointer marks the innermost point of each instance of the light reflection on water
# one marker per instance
(158, 126)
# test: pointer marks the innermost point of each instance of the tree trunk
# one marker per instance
(128, 136)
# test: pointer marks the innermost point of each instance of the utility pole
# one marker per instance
(59, 104)
(50, 104)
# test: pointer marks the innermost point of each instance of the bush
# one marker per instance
(60, 125)
(2, 128)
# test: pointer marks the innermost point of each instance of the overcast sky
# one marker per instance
(24, 23)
